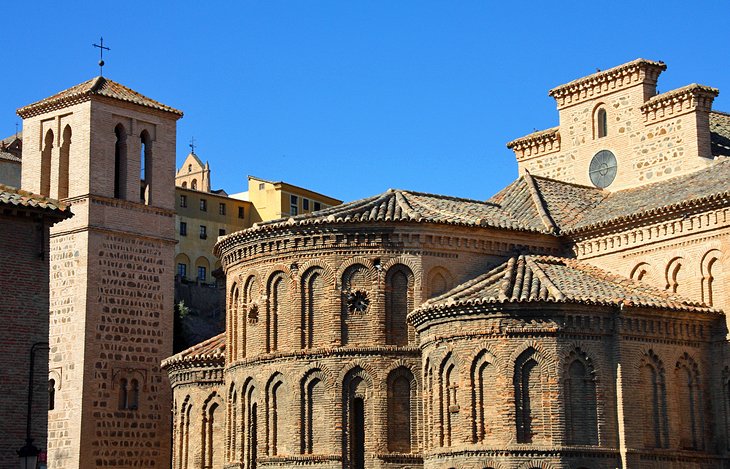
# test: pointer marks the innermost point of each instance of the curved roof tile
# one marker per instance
(98, 86)
(528, 278)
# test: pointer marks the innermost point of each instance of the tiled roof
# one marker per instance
(564, 204)
(710, 183)
(572, 207)
(98, 86)
(212, 349)
(7, 156)
(12, 197)
(720, 133)
(408, 206)
(527, 278)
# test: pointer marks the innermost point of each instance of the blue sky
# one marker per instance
(350, 98)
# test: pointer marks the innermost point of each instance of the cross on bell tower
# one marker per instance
(101, 54)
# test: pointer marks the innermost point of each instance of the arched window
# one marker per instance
(63, 163)
(641, 272)
(120, 163)
(233, 320)
(401, 411)
(527, 383)
(711, 270)
(211, 434)
(133, 396)
(580, 401)
(601, 123)
(46, 164)
(183, 449)
(277, 298)
(356, 299)
(398, 303)
(233, 425)
(656, 426)
(314, 427)
(483, 396)
(313, 308)
(448, 400)
(194, 184)
(274, 413)
(429, 407)
(145, 167)
(356, 419)
(51, 394)
(689, 396)
(249, 441)
(184, 184)
(672, 274)
(123, 394)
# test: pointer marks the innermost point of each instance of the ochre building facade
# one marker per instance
(573, 320)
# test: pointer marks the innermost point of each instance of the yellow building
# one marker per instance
(272, 200)
(202, 215)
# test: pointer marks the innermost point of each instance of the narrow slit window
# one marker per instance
(602, 123)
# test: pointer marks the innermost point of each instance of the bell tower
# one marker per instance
(109, 152)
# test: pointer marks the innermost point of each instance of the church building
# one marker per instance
(108, 153)
(573, 320)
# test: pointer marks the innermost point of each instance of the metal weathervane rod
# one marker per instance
(101, 54)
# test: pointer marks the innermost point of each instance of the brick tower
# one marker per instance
(109, 152)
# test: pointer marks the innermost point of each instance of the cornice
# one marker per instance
(628, 74)
(681, 100)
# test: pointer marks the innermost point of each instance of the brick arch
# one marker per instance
(487, 464)
(537, 465)
(672, 272)
(581, 406)
(593, 356)
(445, 273)
(325, 373)
(688, 394)
(273, 415)
(485, 347)
(344, 266)
(328, 275)
(655, 415)
(711, 260)
(548, 362)
(399, 302)
(481, 393)
(402, 426)
(643, 272)
(400, 363)
(213, 398)
(409, 262)
(277, 268)
(368, 373)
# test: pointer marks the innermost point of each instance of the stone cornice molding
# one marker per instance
(674, 225)
(689, 98)
(632, 73)
(536, 143)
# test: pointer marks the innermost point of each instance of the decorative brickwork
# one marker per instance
(557, 325)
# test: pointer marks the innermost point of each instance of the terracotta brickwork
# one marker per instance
(109, 153)
(24, 314)
(560, 324)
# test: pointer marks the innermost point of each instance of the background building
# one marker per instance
(10, 160)
(572, 320)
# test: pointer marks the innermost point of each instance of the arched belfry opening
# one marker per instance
(145, 167)
(120, 163)
(46, 164)
(63, 163)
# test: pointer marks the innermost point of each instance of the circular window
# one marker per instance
(357, 301)
(603, 169)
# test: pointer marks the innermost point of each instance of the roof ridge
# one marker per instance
(544, 278)
(540, 204)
